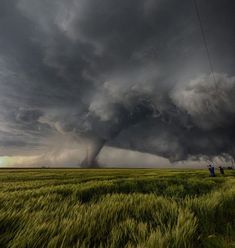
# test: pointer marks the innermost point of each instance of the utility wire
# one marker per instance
(204, 40)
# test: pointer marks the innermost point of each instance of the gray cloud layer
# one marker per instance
(129, 74)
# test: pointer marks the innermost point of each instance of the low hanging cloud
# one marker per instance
(127, 74)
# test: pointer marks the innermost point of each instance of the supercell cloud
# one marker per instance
(127, 74)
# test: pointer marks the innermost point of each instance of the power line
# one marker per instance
(204, 39)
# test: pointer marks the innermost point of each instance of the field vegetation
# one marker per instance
(116, 208)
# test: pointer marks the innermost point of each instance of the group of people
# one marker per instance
(212, 170)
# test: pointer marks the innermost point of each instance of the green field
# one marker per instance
(116, 208)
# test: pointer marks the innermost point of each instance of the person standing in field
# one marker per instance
(221, 169)
(211, 170)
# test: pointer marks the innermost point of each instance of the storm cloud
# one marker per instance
(126, 74)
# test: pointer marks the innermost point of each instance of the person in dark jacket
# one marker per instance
(221, 169)
(211, 170)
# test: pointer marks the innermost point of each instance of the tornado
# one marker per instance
(107, 131)
(90, 160)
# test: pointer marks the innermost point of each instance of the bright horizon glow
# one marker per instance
(5, 161)
(8, 161)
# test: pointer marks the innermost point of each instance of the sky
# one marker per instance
(116, 83)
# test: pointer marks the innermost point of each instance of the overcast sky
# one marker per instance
(129, 76)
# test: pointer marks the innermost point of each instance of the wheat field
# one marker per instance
(116, 208)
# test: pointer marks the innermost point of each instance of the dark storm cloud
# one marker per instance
(131, 74)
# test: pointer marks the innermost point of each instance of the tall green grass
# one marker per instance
(116, 208)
